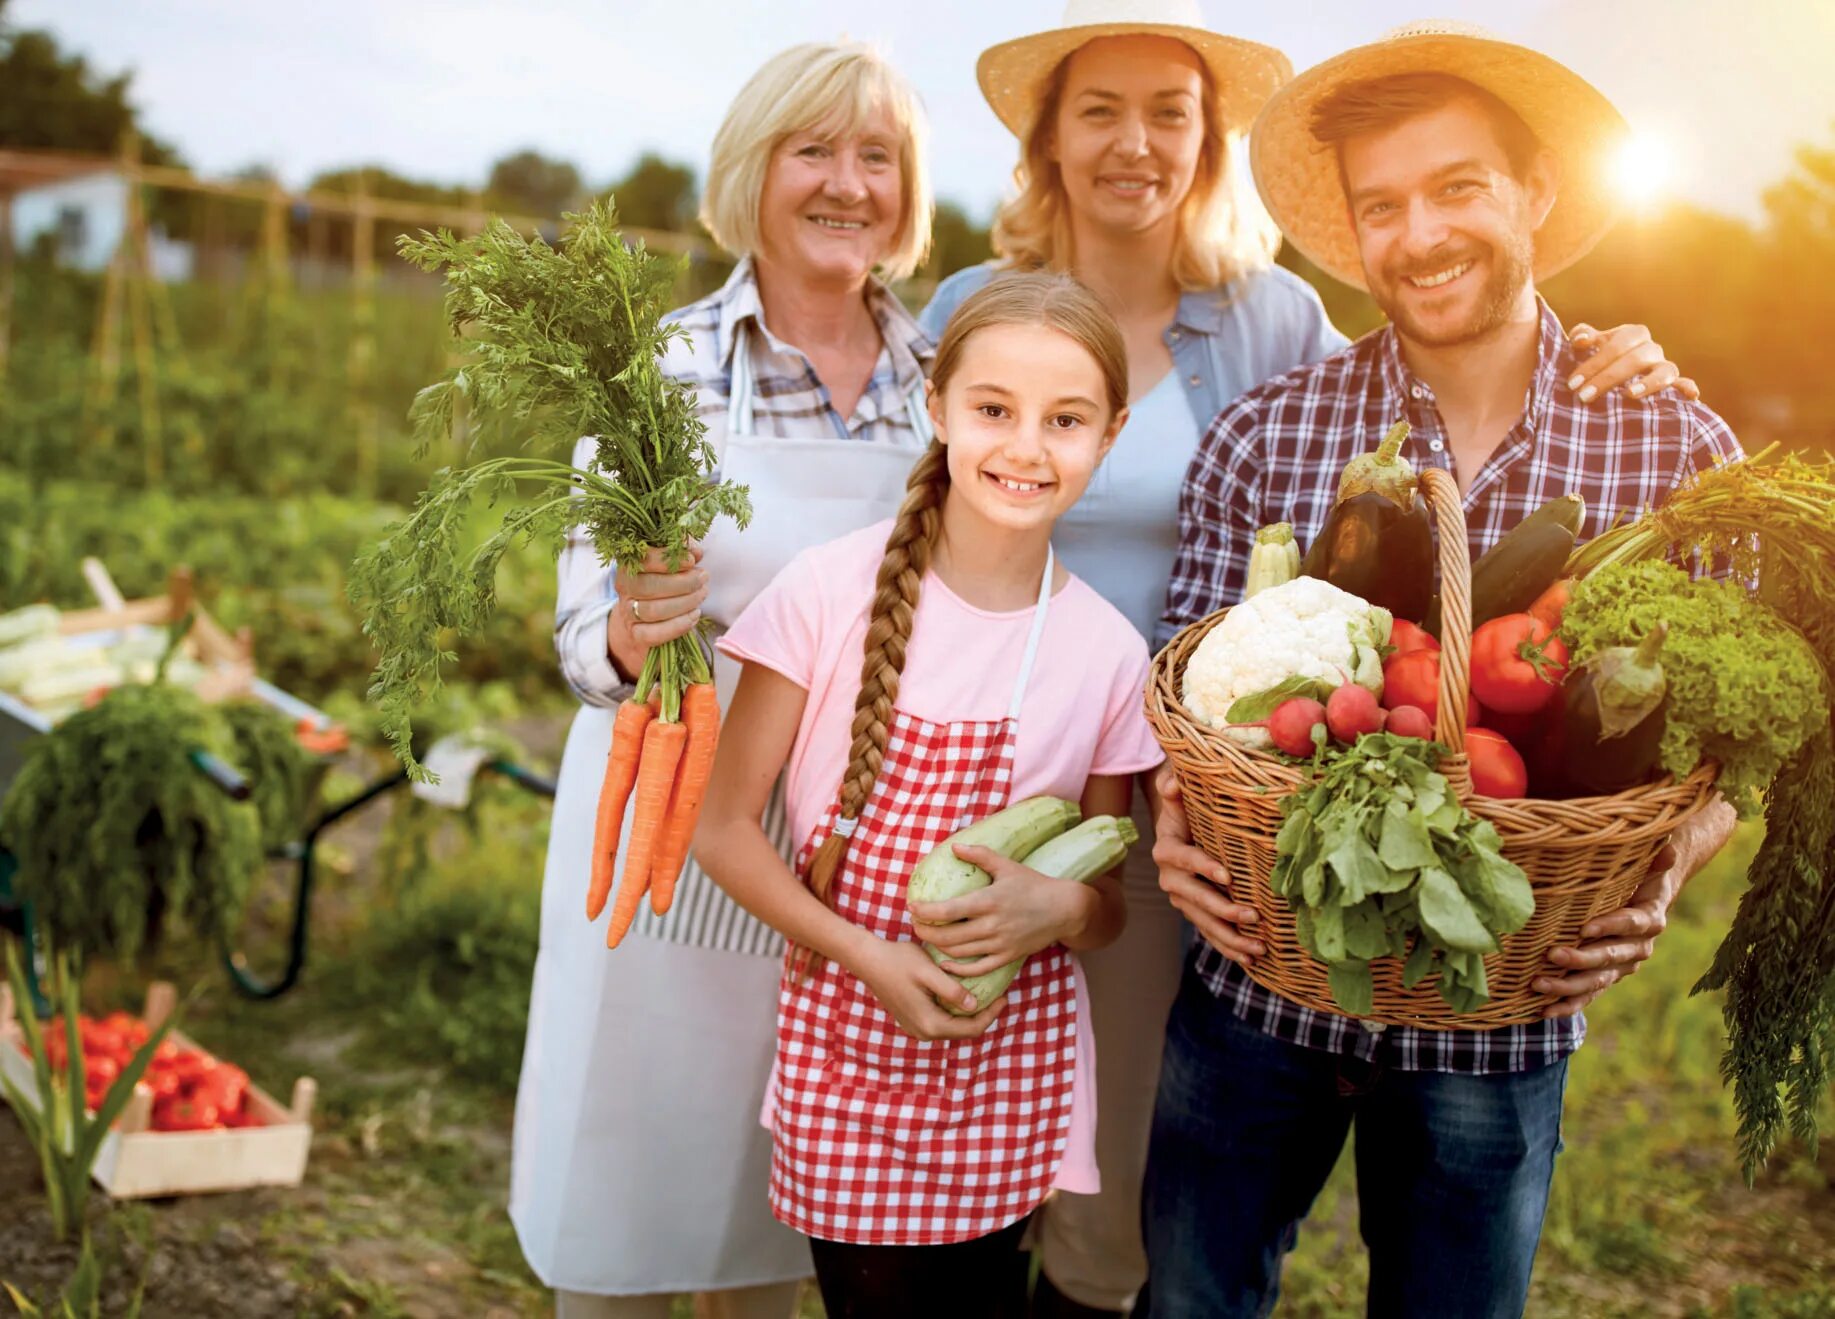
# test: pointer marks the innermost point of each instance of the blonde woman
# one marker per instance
(1127, 115)
(640, 1168)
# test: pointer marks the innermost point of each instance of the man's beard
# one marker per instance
(1510, 269)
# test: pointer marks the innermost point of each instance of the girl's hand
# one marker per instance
(654, 606)
(910, 986)
(1626, 355)
(1021, 912)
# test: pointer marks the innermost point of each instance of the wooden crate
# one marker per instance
(138, 1163)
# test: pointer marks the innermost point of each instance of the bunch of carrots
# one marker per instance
(553, 343)
(662, 751)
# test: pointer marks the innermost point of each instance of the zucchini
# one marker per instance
(28, 623)
(1093, 848)
(1275, 559)
(1377, 542)
(1014, 832)
(1508, 577)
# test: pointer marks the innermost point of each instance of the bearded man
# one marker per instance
(1446, 172)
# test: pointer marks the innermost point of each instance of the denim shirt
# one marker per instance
(1224, 341)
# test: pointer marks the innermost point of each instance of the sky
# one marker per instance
(438, 89)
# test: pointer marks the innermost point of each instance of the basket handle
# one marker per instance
(1455, 621)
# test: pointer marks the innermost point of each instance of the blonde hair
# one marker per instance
(1224, 230)
(816, 85)
(1053, 300)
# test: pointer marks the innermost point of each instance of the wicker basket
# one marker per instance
(1584, 856)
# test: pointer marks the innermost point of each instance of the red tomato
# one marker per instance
(1414, 679)
(162, 1081)
(98, 1038)
(1517, 664)
(1407, 637)
(1497, 769)
(223, 1085)
(99, 1072)
(178, 1113)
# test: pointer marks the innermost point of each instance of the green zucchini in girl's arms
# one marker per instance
(1013, 833)
(1090, 850)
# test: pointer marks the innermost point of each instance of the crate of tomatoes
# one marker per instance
(196, 1122)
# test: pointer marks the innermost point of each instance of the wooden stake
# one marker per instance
(362, 354)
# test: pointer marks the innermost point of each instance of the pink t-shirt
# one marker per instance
(1081, 716)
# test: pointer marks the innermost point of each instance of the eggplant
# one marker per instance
(1614, 712)
(1378, 542)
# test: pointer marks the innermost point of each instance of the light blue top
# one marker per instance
(1122, 536)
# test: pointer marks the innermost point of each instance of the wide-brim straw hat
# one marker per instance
(1298, 175)
(1245, 73)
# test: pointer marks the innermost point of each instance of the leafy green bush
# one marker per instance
(276, 566)
(440, 975)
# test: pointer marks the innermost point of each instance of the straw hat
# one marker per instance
(1013, 74)
(1298, 175)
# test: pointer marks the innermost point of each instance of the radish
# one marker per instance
(1292, 723)
(1352, 711)
(1411, 721)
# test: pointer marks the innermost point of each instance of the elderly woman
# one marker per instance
(1127, 115)
(640, 1167)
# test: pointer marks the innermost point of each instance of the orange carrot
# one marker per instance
(663, 744)
(620, 774)
(701, 717)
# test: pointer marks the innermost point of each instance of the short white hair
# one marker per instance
(828, 85)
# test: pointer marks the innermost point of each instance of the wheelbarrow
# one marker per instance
(20, 724)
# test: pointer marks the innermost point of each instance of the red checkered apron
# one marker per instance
(886, 1140)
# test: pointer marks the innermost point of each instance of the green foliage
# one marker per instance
(1771, 521)
(275, 567)
(281, 774)
(658, 194)
(65, 1134)
(49, 99)
(563, 342)
(115, 831)
(1380, 858)
(1745, 689)
(529, 183)
(443, 975)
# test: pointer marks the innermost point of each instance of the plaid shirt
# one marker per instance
(789, 402)
(1274, 456)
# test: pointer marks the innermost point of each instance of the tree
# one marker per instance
(529, 183)
(657, 194)
(53, 101)
(1797, 304)
(956, 242)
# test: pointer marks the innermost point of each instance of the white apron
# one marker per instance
(638, 1165)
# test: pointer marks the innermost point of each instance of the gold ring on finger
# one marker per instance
(636, 617)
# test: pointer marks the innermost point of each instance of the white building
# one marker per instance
(86, 215)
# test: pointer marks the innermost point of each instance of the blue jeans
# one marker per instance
(1452, 1171)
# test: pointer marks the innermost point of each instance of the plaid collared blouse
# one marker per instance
(1274, 456)
(790, 401)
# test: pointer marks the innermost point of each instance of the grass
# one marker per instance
(1648, 1214)
(410, 1017)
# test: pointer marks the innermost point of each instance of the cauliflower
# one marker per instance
(1304, 628)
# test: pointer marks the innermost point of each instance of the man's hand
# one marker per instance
(1616, 944)
(1196, 883)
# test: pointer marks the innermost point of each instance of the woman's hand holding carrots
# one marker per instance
(655, 606)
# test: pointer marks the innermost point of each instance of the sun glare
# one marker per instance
(1644, 170)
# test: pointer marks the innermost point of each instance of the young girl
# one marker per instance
(911, 1144)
